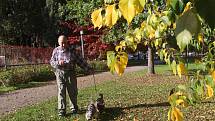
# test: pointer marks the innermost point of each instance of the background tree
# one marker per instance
(24, 22)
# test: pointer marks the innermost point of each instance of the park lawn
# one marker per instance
(5, 89)
(134, 96)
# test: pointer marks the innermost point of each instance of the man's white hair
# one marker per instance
(62, 37)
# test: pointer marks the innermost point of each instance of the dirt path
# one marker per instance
(10, 102)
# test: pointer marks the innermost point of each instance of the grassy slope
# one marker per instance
(135, 95)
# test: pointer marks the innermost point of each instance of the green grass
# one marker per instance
(134, 95)
(4, 89)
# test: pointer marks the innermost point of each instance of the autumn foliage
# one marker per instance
(16, 55)
(93, 46)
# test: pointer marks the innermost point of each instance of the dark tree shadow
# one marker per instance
(163, 104)
(208, 102)
(111, 113)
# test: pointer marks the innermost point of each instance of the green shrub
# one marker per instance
(25, 74)
(38, 73)
(98, 66)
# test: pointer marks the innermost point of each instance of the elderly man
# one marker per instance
(63, 60)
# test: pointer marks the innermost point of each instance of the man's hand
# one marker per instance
(61, 62)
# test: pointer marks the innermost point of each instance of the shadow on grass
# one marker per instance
(163, 104)
(208, 102)
(112, 113)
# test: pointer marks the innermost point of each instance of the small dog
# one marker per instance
(100, 104)
(91, 111)
(94, 109)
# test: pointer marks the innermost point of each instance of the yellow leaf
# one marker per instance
(174, 114)
(111, 15)
(152, 19)
(129, 38)
(156, 42)
(97, 18)
(162, 27)
(121, 63)
(169, 114)
(138, 34)
(179, 93)
(122, 43)
(177, 114)
(210, 91)
(142, 3)
(197, 61)
(108, 1)
(200, 38)
(173, 65)
(187, 7)
(138, 5)
(143, 24)
(174, 25)
(146, 43)
(151, 32)
(213, 75)
(181, 102)
(130, 8)
(181, 69)
(118, 68)
(124, 59)
(118, 48)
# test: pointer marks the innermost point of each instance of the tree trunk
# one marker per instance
(151, 69)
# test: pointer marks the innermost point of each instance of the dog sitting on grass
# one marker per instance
(91, 112)
(94, 109)
(100, 104)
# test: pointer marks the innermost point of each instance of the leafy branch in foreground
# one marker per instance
(177, 18)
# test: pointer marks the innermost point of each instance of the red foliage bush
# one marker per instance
(25, 55)
(94, 48)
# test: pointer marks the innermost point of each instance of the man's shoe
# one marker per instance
(74, 111)
(62, 113)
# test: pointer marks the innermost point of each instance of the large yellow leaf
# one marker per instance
(138, 5)
(142, 3)
(118, 68)
(130, 8)
(121, 63)
(111, 15)
(181, 69)
(96, 18)
(177, 114)
(174, 114)
(210, 91)
(123, 59)
(213, 75)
